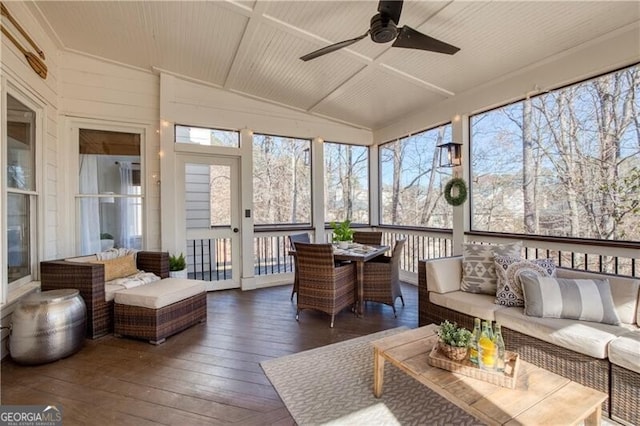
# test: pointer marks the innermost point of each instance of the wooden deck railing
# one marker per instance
(211, 259)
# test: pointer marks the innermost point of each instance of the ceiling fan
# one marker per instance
(384, 28)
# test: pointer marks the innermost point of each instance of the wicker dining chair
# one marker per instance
(382, 278)
(322, 285)
(293, 239)
(368, 237)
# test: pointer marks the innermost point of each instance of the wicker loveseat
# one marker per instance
(89, 279)
(601, 356)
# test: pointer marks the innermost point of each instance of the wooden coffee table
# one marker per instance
(540, 396)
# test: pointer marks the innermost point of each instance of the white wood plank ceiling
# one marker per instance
(253, 47)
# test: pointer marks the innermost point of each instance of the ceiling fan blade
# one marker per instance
(332, 48)
(391, 8)
(412, 39)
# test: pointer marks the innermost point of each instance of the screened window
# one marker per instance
(22, 197)
(207, 137)
(281, 180)
(412, 183)
(565, 163)
(346, 183)
(110, 191)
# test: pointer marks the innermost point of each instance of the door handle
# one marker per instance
(235, 230)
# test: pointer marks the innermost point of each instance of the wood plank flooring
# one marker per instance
(206, 375)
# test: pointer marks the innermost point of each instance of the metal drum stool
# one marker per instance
(47, 326)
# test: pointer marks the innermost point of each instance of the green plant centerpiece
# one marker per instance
(453, 340)
(177, 266)
(342, 233)
(106, 241)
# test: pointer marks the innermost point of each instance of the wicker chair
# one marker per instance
(382, 278)
(88, 278)
(322, 285)
(293, 239)
(368, 237)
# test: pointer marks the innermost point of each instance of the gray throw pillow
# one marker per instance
(478, 268)
(580, 299)
(508, 271)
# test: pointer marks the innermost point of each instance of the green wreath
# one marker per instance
(461, 186)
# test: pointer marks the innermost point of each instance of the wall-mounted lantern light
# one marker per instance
(450, 154)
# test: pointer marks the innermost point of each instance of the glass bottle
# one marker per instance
(473, 342)
(499, 344)
(486, 348)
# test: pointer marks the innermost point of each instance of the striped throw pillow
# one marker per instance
(580, 299)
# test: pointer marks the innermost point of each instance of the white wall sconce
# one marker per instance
(450, 154)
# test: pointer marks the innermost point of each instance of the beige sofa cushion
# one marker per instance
(625, 351)
(624, 292)
(444, 275)
(588, 338)
(473, 304)
(160, 293)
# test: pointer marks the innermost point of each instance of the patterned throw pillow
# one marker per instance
(508, 270)
(478, 269)
(581, 299)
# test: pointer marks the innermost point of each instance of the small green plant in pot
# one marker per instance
(342, 233)
(177, 266)
(106, 241)
(454, 340)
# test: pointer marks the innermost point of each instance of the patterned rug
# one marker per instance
(333, 385)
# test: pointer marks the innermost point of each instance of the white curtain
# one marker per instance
(127, 221)
(89, 207)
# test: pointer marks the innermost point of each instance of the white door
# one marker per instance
(209, 213)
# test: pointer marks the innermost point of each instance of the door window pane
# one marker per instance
(207, 137)
(207, 195)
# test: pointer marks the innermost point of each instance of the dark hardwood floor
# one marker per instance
(208, 374)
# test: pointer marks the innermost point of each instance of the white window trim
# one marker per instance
(72, 135)
(8, 291)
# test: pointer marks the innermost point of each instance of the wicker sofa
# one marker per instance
(89, 279)
(601, 356)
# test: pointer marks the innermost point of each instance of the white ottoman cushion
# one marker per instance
(161, 293)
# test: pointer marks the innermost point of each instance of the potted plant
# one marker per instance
(106, 241)
(177, 266)
(454, 340)
(342, 233)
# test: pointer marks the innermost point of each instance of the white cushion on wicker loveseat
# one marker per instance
(473, 304)
(585, 337)
(160, 293)
(625, 351)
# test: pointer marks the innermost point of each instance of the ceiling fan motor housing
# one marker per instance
(383, 29)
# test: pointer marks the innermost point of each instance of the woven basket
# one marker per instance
(455, 353)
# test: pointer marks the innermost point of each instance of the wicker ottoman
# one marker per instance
(158, 310)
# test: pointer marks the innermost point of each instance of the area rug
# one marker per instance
(333, 385)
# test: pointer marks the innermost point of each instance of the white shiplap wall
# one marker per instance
(96, 91)
(17, 75)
